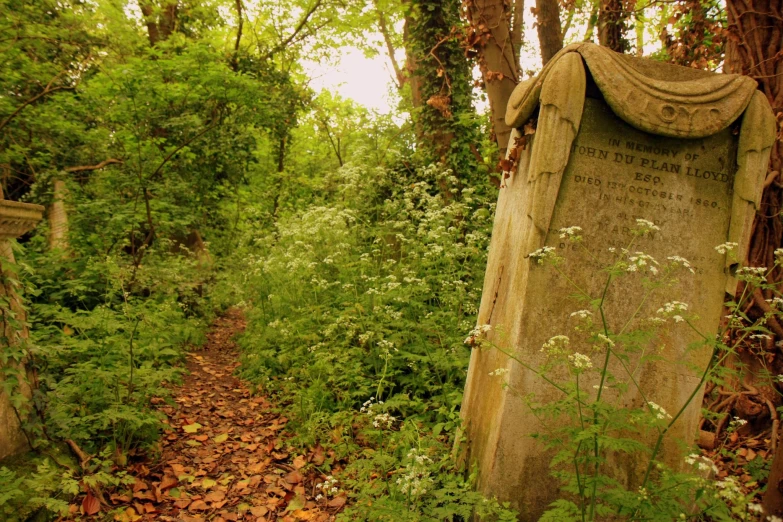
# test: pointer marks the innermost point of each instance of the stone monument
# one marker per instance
(16, 219)
(617, 139)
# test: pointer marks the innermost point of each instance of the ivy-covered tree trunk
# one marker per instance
(755, 48)
(612, 18)
(447, 124)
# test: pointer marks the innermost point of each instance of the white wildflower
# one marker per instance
(752, 274)
(384, 421)
(416, 479)
(681, 261)
(736, 423)
(499, 372)
(673, 307)
(658, 411)
(556, 345)
(581, 314)
(639, 261)
(571, 233)
(645, 225)
(477, 333)
(543, 254)
(606, 340)
(725, 248)
(580, 361)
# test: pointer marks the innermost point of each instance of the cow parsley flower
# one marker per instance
(645, 225)
(581, 314)
(605, 340)
(752, 274)
(580, 361)
(543, 254)
(477, 333)
(639, 261)
(556, 345)
(571, 233)
(725, 248)
(384, 421)
(673, 307)
(658, 411)
(417, 477)
(681, 261)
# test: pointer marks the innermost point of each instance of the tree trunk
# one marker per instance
(755, 42)
(550, 35)
(161, 20)
(518, 30)
(410, 64)
(490, 25)
(446, 123)
(383, 26)
(611, 25)
(58, 218)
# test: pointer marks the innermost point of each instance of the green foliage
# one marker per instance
(359, 309)
(33, 487)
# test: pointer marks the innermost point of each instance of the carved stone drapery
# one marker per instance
(654, 97)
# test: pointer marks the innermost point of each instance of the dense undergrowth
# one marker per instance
(358, 312)
(104, 345)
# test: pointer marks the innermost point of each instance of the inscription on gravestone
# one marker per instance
(601, 165)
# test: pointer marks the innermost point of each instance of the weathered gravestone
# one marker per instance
(617, 139)
(16, 219)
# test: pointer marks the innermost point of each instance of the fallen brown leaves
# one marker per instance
(225, 457)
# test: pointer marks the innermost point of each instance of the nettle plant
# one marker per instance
(586, 428)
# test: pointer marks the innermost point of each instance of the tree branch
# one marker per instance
(100, 165)
(301, 25)
(517, 30)
(47, 90)
(240, 23)
(389, 46)
(185, 144)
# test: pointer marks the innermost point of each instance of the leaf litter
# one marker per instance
(224, 457)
